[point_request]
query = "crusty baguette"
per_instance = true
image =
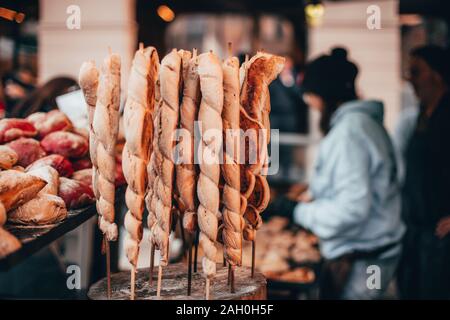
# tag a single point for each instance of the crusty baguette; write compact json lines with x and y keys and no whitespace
{"x":8,"y":157}
{"x":46,"y":207}
{"x":186,"y":170}
{"x":84,"y":175}
{"x":3,"y":216}
{"x":211,"y":85}
{"x":8,"y":243}
{"x":43,"y":210}
{"x":17,"y":187}
{"x":232,"y":217}
{"x":257,"y":73}
{"x":166,"y":129}
{"x":138,"y":128}
{"x":106,"y":125}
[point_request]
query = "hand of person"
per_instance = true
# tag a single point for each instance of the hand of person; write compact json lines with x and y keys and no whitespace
{"x":443,"y":227}
{"x":306,"y":196}
{"x":296,"y":190}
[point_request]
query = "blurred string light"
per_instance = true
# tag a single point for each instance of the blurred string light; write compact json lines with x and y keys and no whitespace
{"x":410,"y":20}
{"x":11,"y":15}
{"x":165,"y":13}
{"x":314,"y":12}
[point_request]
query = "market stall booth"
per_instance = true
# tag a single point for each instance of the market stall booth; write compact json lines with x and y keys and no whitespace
{"x":114,"y":158}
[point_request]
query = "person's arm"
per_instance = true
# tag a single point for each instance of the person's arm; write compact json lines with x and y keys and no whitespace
{"x":349,"y":206}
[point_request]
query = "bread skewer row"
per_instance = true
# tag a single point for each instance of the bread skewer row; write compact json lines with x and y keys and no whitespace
{"x":166,"y":128}
{"x":211,"y":85}
{"x":232,"y":215}
{"x":105,"y":126}
{"x":138,"y":128}
{"x":258,"y":73}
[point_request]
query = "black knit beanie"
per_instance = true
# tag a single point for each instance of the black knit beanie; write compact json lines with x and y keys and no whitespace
{"x":437,"y":58}
{"x":331,"y":76}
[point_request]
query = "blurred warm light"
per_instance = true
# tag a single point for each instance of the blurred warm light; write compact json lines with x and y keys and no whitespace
{"x":165,"y":13}
{"x":314,"y":13}
{"x":11,"y":15}
{"x":410,"y":20}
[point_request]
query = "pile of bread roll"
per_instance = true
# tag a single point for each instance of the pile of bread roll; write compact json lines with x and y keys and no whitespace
{"x":186,"y":90}
{"x":45,"y":170}
{"x":283,"y":251}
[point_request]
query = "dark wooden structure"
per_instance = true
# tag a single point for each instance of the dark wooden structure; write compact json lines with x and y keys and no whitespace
{"x":35,"y":238}
{"x":174,"y":285}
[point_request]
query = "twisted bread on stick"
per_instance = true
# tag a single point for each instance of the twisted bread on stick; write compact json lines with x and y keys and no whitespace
{"x":150,"y":197}
{"x":138,"y":127}
{"x":186,"y":172}
{"x":259,"y":72}
{"x":88,"y":80}
{"x":232,"y":216}
{"x":211,"y":85}
{"x":106,"y":125}
{"x":166,"y":129}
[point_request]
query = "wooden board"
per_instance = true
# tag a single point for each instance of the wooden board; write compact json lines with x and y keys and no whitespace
{"x":174,"y":285}
{"x":35,"y":238}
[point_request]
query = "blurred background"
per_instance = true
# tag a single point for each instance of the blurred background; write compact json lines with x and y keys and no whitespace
{"x":39,"y":40}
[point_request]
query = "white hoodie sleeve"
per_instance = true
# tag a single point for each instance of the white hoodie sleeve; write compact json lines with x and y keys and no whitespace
{"x":349,"y":204}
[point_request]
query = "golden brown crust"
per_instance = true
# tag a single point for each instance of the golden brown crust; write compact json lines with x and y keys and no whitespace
{"x":138,"y":129}
{"x":255,"y":99}
{"x":8,"y":157}
{"x":211,"y":84}
{"x":231,"y":194}
{"x":17,"y":187}
{"x":166,"y":129}
{"x":105,"y":126}
{"x":8,"y":243}
{"x":186,"y":170}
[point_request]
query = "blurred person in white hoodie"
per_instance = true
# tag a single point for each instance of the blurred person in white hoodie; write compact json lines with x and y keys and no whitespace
{"x":353,"y":201}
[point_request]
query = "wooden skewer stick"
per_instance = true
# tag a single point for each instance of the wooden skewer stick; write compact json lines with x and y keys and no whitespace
{"x":229,"y":274}
{"x":189,"y":270}
{"x":224,"y":259}
{"x":108,"y":267}
{"x":196,"y":250}
{"x":133,"y":282}
{"x":183,"y":237}
{"x":152,"y":263}
{"x":253,"y":256}
{"x":232,"y":286}
{"x":158,"y":288}
{"x":207,"y":285}
{"x":242,"y":244}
